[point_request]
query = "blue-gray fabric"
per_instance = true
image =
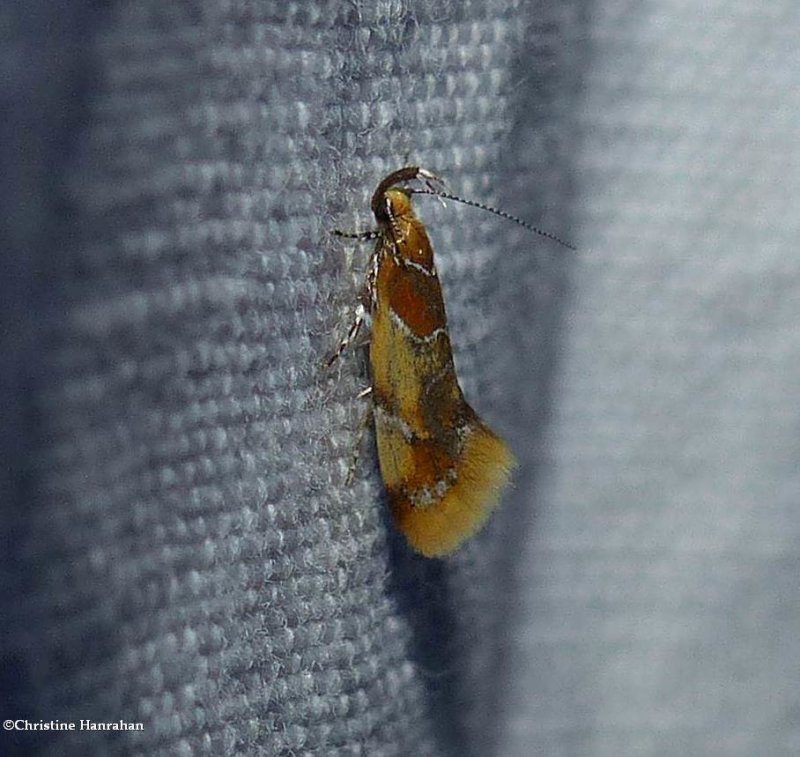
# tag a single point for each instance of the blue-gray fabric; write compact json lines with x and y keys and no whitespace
{"x":179,"y":546}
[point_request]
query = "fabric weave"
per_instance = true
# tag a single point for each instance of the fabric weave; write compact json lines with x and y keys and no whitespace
{"x":180,"y":549}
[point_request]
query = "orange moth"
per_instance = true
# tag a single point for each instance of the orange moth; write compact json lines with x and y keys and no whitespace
{"x":443,"y":468}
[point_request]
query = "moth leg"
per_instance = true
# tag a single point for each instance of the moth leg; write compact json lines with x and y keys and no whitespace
{"x":364,"y":236}
{"x":360,"y":311}
{"x":366,"y":419}
{"x":352,"y":333}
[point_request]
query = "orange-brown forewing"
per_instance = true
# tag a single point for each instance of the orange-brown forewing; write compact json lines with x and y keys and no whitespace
{"x":443,"y":468}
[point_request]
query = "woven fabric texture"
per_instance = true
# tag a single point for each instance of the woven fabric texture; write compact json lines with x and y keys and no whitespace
{"x":190,"y":558}
{"x":661,"y":595}
{"x":180,"y":549}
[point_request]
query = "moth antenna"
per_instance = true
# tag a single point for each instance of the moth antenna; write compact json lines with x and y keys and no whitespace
{"x":501,"y":213}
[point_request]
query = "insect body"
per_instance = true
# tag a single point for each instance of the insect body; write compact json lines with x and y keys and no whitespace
{"x":443,"y":468}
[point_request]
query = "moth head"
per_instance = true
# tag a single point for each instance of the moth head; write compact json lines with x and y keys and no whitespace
{"x":395,"y":203}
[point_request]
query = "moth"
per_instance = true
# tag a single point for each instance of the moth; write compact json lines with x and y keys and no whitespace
{"x":443,"y":468}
